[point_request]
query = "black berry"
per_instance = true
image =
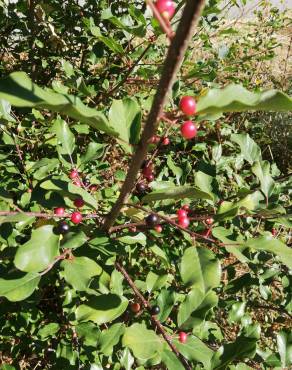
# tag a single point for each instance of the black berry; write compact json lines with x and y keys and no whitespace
{"x":63,"y":228}
{"x":141,"y":188}
{"x":151,"y":220}
{"x":155,"y":310}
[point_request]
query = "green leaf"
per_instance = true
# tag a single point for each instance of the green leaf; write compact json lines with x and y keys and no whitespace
{"x":171,"y":361}
{"x":165,"y":301}
{"x":89,"y":333}
{"x":229,"y":237}
{"x":249,"y":149}
{"x":107,"y":40}
{"x":237,"y":312}
{"x":155,"y":282}
{"x":195,"y":350}
{"x":192,"y":301}
{"x":67,"y":189}
{"x":140,"y":238}
{"x":93,"y":151}
{"x":64,"y":135}
{"x":127,"y":360}
{"x":273,"y":245}
{"x":125,"y":117}
{"x":79,"y":271}
{"x":177,"y":192}
{"x":144,"y":343}
{"x":200,"y":267}
{"x":5,"y":109}
{"x":110,"y":337}
{"x":262,"y":170}
{"x":20,"y":91}
{"x":235,"y":98}
{"x":74,"y":240}
{"x":41,"y":250}
{"x":48,"y":330}
{"x":240,"y":349}
{"x":284,"y":342}
{"x":204,"y":182}
{"x":19,"y":289}
{"x":102,"y":309}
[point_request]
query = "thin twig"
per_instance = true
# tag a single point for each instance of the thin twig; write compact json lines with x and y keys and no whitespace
{"x":172,"y":64}
{"x":154,"y":321}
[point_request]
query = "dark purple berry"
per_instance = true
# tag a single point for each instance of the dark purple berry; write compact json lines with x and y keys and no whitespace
{"x":151,"y":220}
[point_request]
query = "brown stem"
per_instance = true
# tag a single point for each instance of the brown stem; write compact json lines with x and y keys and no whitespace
{"x":156,"y":323}
{"x":172,"y":64}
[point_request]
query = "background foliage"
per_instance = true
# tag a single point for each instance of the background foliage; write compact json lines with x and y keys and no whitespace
{"x":95,"y":68}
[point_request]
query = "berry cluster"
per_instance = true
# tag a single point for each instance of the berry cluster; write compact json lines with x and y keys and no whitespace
{"x":76,"y":217}
{"x":182,"y":215}
{"x":188,"y":107}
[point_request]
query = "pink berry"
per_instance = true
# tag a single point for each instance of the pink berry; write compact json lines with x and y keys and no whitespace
{"x":209,"y":221}
{"x":76,"y":217}
{"x":73,"y":174}
{"x":158,"y":228}
{"x":186,"y":207}
{"x":181,"y":213}
{"x":188,"y":130}
{"x":165,"y":141}
{"x":155,"y":139}
{"x":188,"y":105}
{"x":59,"y":211}
{"x":182,"y":337}
{"x":274,"y":231}
{"x":166,"y":8}
{"x":184,"y":222}
{"x":79,"y":202}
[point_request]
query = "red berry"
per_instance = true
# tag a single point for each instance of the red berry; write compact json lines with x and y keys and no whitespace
{"x":166,"y":8}
{"x":186,"y":207}
{"x":165,"y":141}
{"x":92,"y":188}
{"x":209,"y":221}
{"x":181,"y":213}
{"x":148,"y":170}
{"x":274,"y":231}
{"x":59,"y":211}
{"x":182,"y":337}
{"x":135,"y":307}
{"x":76,"y":217}
{"x":184,"y":222}
{"x":29,"y":190}
{"x":188,"y":130}
{"x":150,"y":178}
{"x":133,"y":229}
{"x":79,"y":202}
{"x":188,"y":105}
{"x":158,"y":228}
{"x":73,"y":174}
